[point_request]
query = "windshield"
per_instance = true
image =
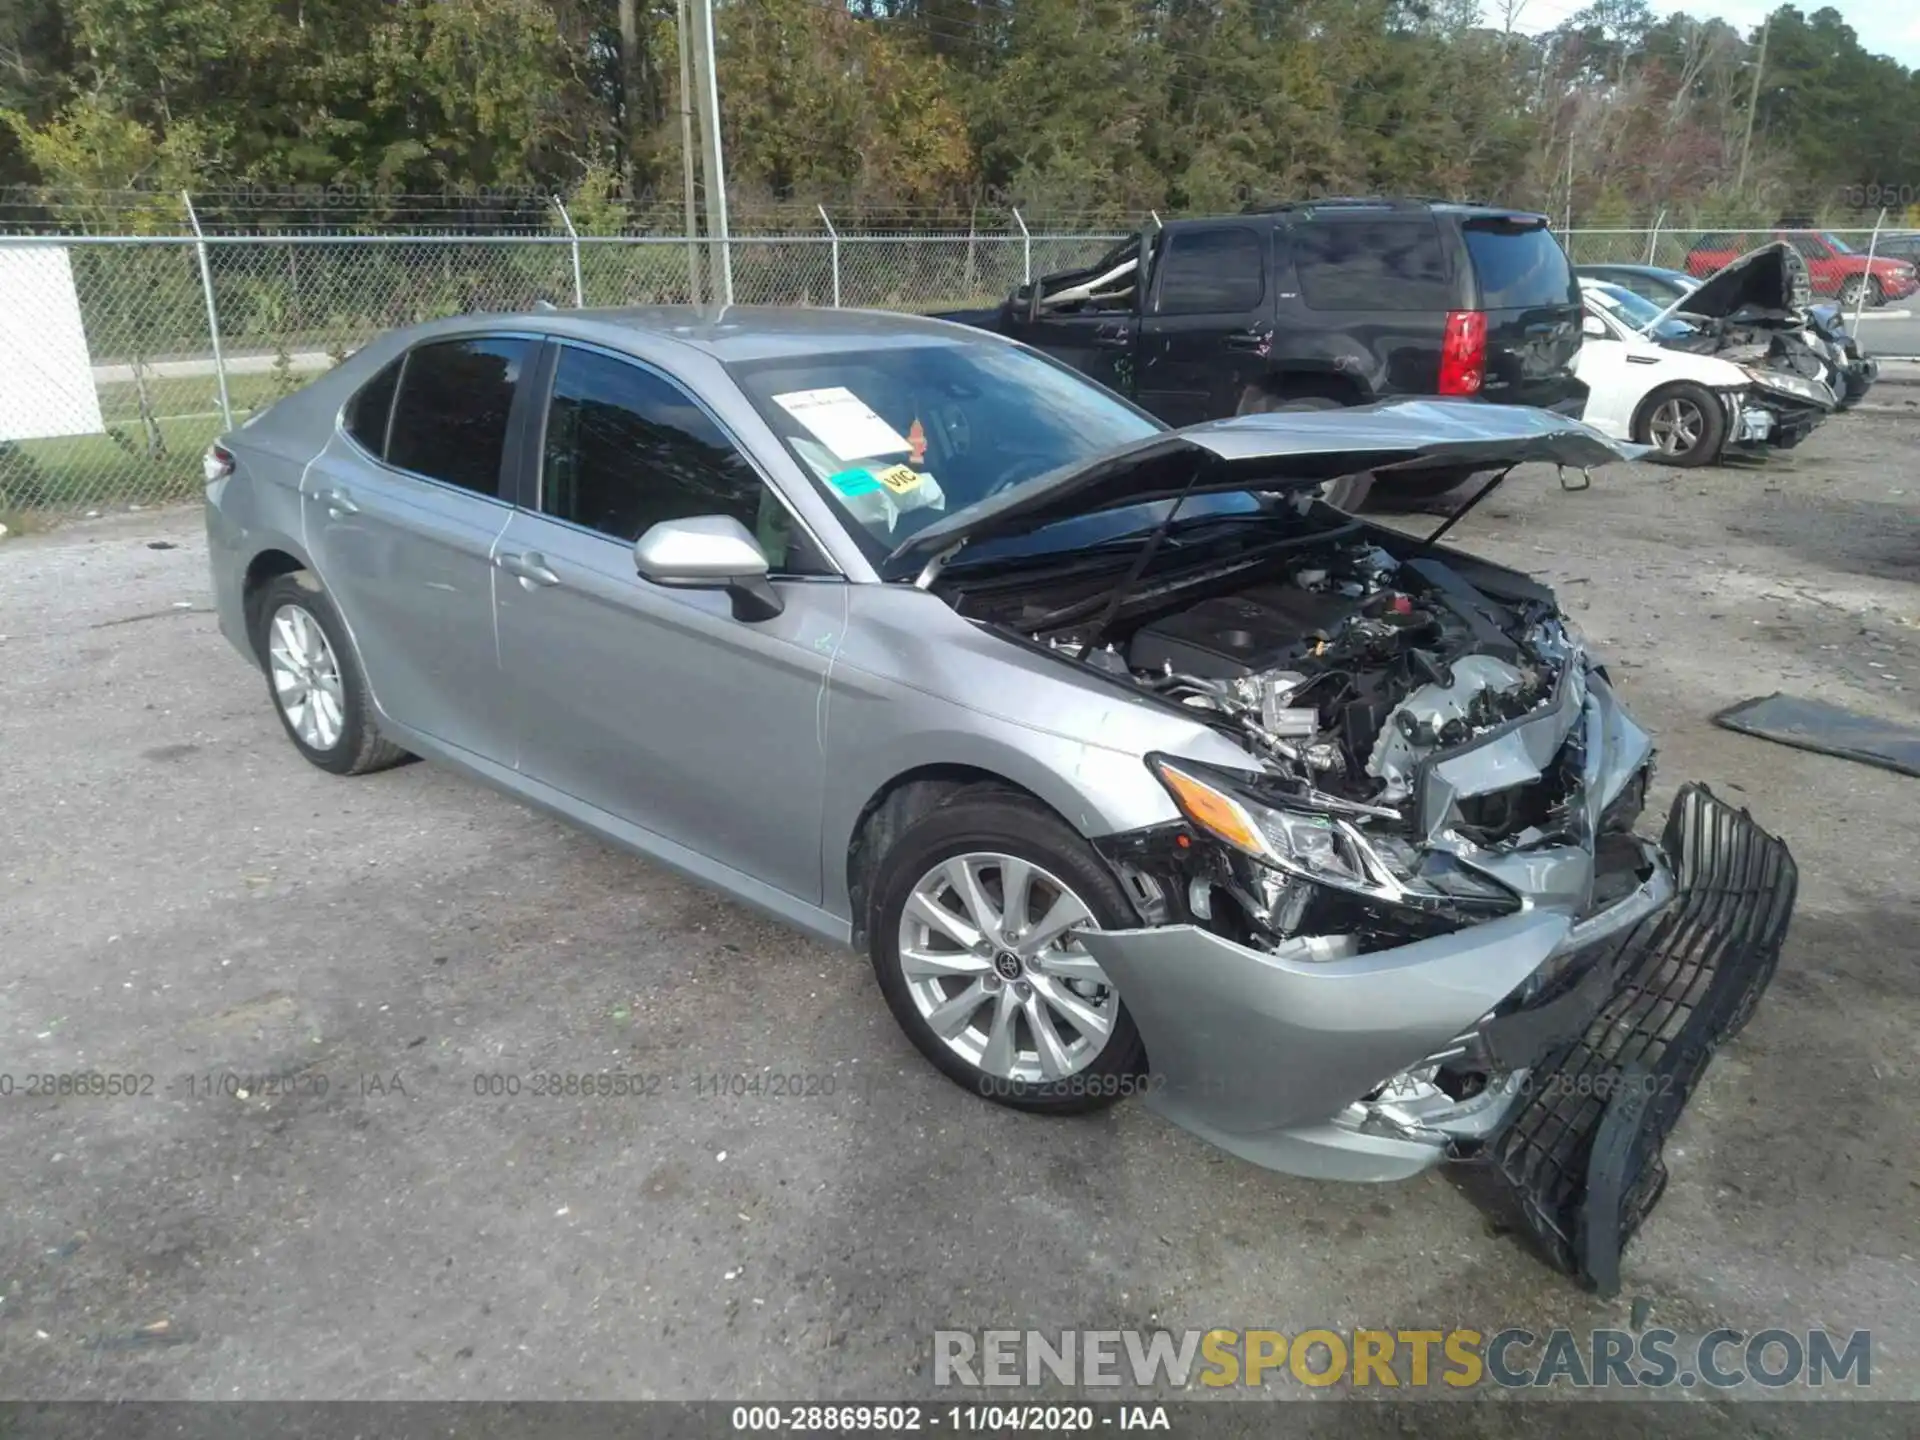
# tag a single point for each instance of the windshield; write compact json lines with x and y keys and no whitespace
{"x":897,"y":438}
{"x":1838,"y":246}
{"x":1636,"y":312}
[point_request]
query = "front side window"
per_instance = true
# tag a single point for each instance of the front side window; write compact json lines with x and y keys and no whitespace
{"x":1212,"y":272}
{"x":899,"y":436}
{"x":450,"y":417}
{"x":626,"y":448}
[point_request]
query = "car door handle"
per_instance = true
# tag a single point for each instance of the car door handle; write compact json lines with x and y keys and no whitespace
{"x":530,"y":566}
{"x":1255,"y":340}
{"x":339,"y":504}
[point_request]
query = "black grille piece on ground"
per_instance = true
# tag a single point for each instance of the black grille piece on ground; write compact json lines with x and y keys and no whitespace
{"x":1578,"y":1162}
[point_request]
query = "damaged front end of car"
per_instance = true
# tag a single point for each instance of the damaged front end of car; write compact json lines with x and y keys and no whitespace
{"x":1420,"y":923}
{"x":1757,"y":314}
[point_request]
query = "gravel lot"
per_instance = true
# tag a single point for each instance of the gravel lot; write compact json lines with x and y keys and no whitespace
{"x":182,"y":896}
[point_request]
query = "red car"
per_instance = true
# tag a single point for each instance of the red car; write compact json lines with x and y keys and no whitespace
{"x":1837,"y":269}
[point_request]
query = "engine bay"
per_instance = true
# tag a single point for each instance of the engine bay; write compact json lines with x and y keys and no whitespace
{"x":1341,"y":665}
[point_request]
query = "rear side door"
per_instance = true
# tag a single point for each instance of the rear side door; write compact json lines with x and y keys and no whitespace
{"x":654,"y":704}
{"x":1526,"y":288}
{"x":1208,"y":326}
{"x":401,"y":515}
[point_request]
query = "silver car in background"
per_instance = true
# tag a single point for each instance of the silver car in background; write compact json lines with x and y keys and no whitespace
{"x":1133,"y":765}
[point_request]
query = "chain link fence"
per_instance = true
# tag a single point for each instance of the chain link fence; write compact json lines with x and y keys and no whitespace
{"x":122,"y":356}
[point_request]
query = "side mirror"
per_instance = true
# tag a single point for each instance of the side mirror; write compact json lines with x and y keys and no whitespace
{"x":709,"y":552}
{"x":1590,"y":326}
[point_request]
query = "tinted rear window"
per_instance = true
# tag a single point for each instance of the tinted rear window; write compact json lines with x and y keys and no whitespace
{"x":450,"y":422}
{"x":1212,"y":272}
{"x":1520,"y":269}
{"x":1388,"y":264}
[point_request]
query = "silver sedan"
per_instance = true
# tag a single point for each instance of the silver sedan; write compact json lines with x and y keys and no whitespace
{"x":1133,"y":765}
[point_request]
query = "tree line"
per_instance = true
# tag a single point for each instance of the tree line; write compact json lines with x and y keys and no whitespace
{"x":916,"y":107}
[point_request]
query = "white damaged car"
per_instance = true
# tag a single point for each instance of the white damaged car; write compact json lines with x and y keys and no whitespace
{"x":1645,"y":386}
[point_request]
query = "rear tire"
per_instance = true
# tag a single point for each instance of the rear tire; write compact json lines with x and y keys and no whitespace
{"x":1349,"y":492}
{"x":1684,"y":422}
{"x":953,"y":997}
{"x":314,"y":678}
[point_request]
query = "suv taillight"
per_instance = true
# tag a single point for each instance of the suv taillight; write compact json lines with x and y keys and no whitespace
{"x":1463,"y":353}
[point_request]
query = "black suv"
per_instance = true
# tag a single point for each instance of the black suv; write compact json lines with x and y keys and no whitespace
{"x":1316,"y":304}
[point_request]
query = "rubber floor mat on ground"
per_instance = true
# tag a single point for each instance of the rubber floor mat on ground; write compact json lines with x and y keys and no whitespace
{"x":1828,"y":729}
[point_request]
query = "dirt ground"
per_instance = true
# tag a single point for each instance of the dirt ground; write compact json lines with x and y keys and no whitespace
{"x":182,"y":898}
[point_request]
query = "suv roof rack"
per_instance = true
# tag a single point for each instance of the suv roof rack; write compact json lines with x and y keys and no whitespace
{"x":1387,"y":202}
{"x":1392,"y":202}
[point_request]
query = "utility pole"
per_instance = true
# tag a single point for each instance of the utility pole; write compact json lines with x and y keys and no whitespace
{"x":629,"y":18}
{"x":1753,"y":104}
{"x":683,"y":43}
{"x":708,"y":85}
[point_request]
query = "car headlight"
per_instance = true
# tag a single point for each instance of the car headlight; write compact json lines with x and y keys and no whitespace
{"x":1324,"y":849}
{"x":1811,"y":391}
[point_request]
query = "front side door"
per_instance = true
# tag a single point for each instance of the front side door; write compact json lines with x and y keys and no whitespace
{"x":1099,"y":344}
{"x":401,"y":516}
{"x":1606,"y":364}
{"x":651,"y":703}
{"x":1208,"y":330}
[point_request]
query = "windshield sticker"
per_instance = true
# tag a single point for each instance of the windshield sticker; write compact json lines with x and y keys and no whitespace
{"x":844,"y":422}
{"x":899,"y":479}
{"x":854,"y":483}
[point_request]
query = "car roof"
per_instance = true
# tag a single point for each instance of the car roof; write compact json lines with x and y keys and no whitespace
{"x":729,"y":334}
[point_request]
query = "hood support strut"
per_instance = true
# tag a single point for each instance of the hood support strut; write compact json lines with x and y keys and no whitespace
{"x":1138,"y":568}
{"x":1462,"y":513}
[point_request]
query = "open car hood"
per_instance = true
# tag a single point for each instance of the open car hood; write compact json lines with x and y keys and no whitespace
{"x":1270,"y":452}
{"x":1772,"y":280}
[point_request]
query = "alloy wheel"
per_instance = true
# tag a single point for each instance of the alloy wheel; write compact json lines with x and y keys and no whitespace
{"x":1676,"y":426}
{"x":989,"y":953}
{"x":306,"y":677}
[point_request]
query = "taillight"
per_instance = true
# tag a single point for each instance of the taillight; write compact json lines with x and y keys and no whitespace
{"x":1463,"y":353}
{"x":216,"y":464}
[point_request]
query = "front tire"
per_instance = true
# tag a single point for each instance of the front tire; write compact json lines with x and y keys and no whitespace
{"x":972,"y":918}
{"x":1685,"y":423}
{"x":314,"y":678}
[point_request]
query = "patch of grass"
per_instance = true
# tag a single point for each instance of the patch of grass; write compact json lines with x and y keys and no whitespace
{"x":84,"y":472}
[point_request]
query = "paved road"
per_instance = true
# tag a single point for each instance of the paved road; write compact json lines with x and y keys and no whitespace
{"x":1894,"y":330}
{"x":183,"y":897}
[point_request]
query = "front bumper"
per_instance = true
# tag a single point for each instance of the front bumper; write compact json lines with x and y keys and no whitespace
{"x":1289,"y":1061}
{"x":1578,"y":1161}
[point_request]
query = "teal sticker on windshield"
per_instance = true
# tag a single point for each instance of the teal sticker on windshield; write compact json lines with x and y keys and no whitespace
{"x":854,"y":483}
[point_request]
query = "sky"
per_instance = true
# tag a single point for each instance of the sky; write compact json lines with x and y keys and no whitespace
{"x":1882,"y":25}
